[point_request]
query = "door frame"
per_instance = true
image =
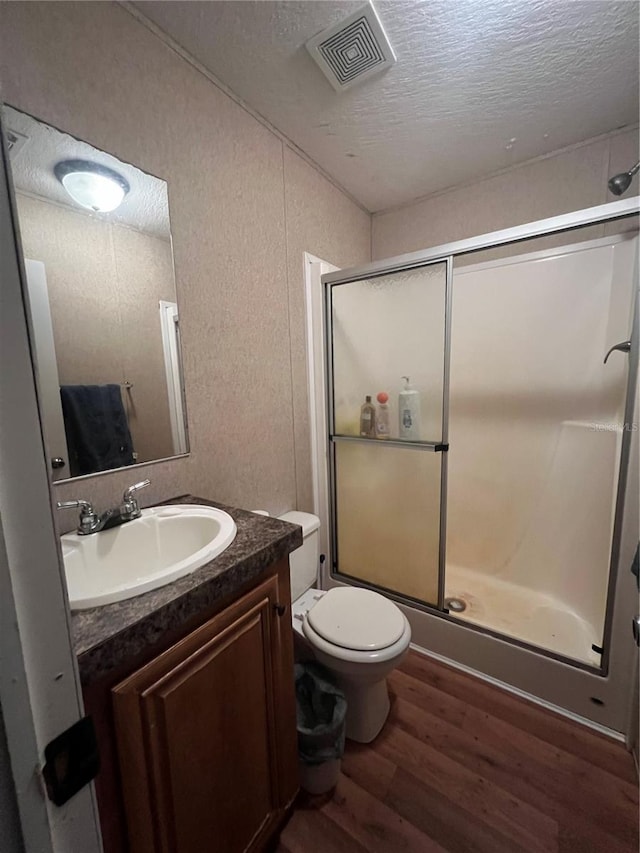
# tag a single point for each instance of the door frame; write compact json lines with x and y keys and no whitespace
{"x":40,"y":690}
{"x":314,"y":269}
{"x":438,"y":445}
{"x":46,"y":362}
{"x":170,"y":331}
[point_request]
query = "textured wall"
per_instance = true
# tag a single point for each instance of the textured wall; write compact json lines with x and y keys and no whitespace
{"x":144,"y":276}
{"x":562,"y":182}
{"x":243,"y":209}
{"x":316,"y":214}
{"x":104,"y":284}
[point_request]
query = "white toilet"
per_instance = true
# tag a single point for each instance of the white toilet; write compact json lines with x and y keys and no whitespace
{"x":357,"y":634}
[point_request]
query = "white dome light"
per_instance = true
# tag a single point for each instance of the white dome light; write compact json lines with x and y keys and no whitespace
{"x":91,"y":185}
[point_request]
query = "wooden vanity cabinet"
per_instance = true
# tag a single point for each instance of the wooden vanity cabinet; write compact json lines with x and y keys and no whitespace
{"x":206,"y":732}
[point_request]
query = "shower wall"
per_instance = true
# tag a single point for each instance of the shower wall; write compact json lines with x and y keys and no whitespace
{"x":535,"y":419}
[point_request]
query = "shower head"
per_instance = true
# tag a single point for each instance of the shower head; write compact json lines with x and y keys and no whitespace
{"x":620,"y":183}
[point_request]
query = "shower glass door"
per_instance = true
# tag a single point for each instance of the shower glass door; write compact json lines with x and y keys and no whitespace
{"x":388,"y":489}
{"x":537,"y":428}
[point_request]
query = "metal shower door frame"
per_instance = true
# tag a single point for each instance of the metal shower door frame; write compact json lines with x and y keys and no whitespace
{"x":441,"y":446}
{"x":623,"y":473}
{"x":601,"y":214}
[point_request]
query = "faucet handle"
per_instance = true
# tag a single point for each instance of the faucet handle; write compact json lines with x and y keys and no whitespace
{"x":79,"y":504}
{"x":130,"y":509}
{"x":88,"y":517}
{"x":128,"y":493}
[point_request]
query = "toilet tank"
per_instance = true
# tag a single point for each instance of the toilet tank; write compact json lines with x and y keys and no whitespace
{"x":303,"y":562}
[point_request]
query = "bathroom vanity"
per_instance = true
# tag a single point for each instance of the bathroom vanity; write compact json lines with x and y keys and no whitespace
{"x":191,"y":690}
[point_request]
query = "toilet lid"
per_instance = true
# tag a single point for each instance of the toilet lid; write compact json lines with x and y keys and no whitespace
{"x":356,"y":619}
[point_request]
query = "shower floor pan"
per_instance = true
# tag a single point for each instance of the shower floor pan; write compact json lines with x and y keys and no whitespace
{"x":533,"y":617}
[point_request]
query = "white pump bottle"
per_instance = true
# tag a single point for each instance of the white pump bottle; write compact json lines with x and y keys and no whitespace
{"x":409,"y":412}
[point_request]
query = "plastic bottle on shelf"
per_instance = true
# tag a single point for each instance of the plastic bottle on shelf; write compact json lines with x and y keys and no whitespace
{"x":409,"y":412}
{"x":382,"y":415}
{"x":368,"y":418}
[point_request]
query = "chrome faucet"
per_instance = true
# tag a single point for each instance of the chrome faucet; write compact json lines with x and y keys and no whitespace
{"x":91,"y":522}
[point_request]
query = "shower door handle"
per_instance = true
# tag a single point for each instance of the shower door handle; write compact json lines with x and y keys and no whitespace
{"x":624,"y":346}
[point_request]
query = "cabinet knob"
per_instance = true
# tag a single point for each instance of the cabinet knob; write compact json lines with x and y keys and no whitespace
{"x":280,"y":609}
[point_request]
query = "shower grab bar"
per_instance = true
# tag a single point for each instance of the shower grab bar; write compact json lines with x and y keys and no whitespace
{"x":624,"y":346}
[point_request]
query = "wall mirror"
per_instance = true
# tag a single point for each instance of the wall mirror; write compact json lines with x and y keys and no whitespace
{"x":102,"y":301}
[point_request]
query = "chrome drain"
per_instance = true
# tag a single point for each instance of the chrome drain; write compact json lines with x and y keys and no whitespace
{"x":455,"y":605}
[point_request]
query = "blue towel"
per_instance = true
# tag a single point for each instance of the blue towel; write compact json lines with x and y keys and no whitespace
{"x":96,"y":427}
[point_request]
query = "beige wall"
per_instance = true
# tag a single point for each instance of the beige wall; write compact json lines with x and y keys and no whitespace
{"x":243,"y":209}
{"x":317,"y":214}
{"x":104,"y":283}
{"x":559,"y":183}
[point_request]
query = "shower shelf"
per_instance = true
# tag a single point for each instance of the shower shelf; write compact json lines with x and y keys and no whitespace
{"x":433,"y":446}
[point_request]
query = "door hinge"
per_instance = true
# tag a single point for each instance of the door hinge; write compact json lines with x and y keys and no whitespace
{"x":72,"y":761}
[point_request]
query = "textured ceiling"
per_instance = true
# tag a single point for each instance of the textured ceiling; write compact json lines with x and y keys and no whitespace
{"x":145,"y":207}
{"x":479,"y":84}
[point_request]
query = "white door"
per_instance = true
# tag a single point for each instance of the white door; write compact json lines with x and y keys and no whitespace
{"x":40,"y":690}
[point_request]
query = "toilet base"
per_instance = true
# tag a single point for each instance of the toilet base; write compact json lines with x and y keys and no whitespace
{"x":367,"y":708}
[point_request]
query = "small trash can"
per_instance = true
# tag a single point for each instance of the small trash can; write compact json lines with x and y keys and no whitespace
{"x":320,"y":714}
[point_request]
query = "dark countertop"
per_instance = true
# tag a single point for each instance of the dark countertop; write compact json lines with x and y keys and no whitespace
{"x":105,"y":637}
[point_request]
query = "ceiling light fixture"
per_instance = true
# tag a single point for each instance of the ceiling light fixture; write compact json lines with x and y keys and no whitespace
{"x":91,"y":185}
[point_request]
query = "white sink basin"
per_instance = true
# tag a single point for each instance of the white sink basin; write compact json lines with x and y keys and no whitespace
{"x":164,"y":544}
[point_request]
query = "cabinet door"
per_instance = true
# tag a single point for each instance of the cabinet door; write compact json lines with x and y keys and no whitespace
{"x":198,"y":734}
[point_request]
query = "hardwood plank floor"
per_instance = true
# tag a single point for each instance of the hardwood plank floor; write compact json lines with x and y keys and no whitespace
{"x":465,"y":767}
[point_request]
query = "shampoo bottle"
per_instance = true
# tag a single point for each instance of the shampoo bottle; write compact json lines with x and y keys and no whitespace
{"x":382,"y":416}
{"x":409,"y":412}
{"x":368,"y":418}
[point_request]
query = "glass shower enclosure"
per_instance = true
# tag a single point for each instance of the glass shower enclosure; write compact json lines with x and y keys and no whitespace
{"x":519,"y":435}
{"x":388,"y":508}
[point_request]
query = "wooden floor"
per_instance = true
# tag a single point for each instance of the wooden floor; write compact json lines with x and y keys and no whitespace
{"x":462,"y":766}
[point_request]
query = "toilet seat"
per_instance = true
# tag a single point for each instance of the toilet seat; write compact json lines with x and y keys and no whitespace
{"x":355,"y":655}
{"x":368,"y":606}
{"x":357,"y":619}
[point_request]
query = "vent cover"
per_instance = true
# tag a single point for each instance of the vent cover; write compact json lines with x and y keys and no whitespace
{"x":353,"y":49}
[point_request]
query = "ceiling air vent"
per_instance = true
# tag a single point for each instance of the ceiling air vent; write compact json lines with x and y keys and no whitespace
{"x":353,"y":49}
